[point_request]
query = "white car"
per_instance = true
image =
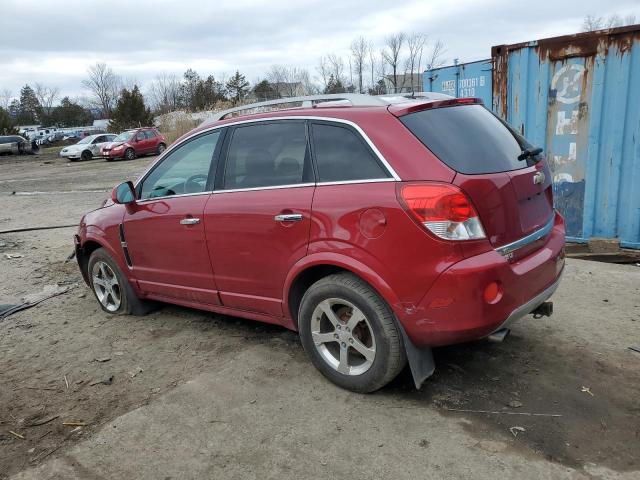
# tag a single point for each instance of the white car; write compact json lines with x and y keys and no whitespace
{"x":88,"y":147}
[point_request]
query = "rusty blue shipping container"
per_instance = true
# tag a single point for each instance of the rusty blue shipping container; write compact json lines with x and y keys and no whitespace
{"x":471,"y":79}
{"x":578,"y":97}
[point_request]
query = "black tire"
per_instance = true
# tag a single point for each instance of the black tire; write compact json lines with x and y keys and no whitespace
{"x":129,"y":154}
{"x":161,"y":148}
{"x":390,"y":357}
{"x":129,"y":304}
{"x":86,"y":155}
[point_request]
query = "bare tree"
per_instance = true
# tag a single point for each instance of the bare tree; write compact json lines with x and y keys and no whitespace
{"x":336,"y":67}
{"x":289,"y":81}
{"x":391,"y":55}
{"x":415,"y":45}
{"x":104,"y":87}
{"x":164,"y":92}
{"x":592,"y":23}
{"x":47,"y":96}
{"x":359,"y":51}
{"x":324,"y":70}
{"x":5,"y":98}
{"x":435,"y":56}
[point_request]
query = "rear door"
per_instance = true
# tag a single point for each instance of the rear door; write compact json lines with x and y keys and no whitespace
{"x":257,"y":221}
{"x":513,"y":197}
{"x":164,"y":230}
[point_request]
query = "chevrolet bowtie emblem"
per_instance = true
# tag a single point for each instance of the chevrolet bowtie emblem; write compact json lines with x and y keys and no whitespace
{"x":538,"y":178}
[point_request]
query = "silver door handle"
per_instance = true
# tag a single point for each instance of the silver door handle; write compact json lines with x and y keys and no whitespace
{"x":288,"y":217}
{"x":189,"y":221}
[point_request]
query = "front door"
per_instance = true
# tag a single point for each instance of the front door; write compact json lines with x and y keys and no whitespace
{"x":257,"y":221}
{"x":164,"y":229}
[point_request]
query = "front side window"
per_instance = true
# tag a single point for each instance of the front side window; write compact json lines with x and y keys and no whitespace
{"x":267,"y":154}
{"x":342,"y":155}
{"x":150,"y":134}
{"x":185,"y":170}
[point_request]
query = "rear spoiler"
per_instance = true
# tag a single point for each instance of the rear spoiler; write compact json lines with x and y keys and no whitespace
{"x":401,"y":109}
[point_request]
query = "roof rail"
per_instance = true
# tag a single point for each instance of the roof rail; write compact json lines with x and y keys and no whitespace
{"x":307,"y":101}
{"x":356,"y":100}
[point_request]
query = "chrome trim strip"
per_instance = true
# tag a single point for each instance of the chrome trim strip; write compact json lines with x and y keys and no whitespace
{"x":350,"y":182}
{"x":153,"y":199}
{"x":531,"y":305}
{"x":389,"y":168}
{"x":524,"y":241}
{"x":254,"y":189}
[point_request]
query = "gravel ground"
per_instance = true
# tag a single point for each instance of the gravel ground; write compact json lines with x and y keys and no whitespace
{"x":200,"y":395}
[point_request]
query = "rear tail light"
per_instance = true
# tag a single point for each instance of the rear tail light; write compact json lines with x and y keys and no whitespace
{"x":443,"y":209}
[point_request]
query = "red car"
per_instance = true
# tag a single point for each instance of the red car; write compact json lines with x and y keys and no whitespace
{"x":375,"y":227}
{"x":133,"y":143}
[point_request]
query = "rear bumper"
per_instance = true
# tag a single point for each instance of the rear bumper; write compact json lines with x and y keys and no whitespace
{"x":454,"y":309}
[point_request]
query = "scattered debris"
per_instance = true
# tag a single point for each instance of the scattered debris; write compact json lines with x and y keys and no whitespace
{"x":17,"y":435}
{"x":135,"y":372}
{"x":44,"y":421}
{"x":504,"y":413}
{"x":587,"y":390}
{"x":82,"y":295}
{"x":66,"y":382}
{"x":74,"y":424}
{"x":33,"y":299}
{"x":106,"y":381}
{"x":635,"y":348}
{"x":424,"y":443}
{"x":516,"y":430}
{"x":9,"y":256}
{"x":515,"y":404}
{"x":101,"y":359}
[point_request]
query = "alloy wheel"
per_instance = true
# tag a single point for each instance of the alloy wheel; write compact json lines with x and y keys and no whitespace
{"x":343,"y":336}
{"x":106,"y":286}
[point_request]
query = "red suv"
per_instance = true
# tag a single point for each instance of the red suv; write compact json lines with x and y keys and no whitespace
{"x":133,"y":143}
{"x":375,"y":227}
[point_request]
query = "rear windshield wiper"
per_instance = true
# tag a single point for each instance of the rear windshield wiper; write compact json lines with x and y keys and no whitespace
{"x":529,"y":153}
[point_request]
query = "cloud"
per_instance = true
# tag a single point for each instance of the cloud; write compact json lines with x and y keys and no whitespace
{"x":54,"y":42}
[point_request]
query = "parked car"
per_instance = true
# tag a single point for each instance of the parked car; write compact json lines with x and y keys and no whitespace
{"x":377,"y":231}
{"x":133,"y":143}
{"x":88,"y":147}
{"x":16,"y":144}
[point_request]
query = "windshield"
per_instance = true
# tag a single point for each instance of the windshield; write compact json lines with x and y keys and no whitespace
{"x":85,"y":140}
{"x":123,"y":137}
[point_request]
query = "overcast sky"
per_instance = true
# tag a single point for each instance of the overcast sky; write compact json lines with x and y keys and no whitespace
{"x":53,"y":42}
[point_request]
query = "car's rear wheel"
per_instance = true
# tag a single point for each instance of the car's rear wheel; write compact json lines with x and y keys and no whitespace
{"x":111,"y":288}
{"x":161,"y":148}
{"x":129,"y":154}
{"x":350,"y":334}
{"x":86,"y":155}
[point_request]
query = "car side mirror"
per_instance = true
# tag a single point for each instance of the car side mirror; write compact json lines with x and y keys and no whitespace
{"x":123,"y":193}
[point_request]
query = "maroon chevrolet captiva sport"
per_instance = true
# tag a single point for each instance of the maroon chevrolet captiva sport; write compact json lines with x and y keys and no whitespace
{"x":376,"y":227}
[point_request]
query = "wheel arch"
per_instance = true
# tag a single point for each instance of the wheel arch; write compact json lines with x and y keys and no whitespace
{"x":314,"y":267}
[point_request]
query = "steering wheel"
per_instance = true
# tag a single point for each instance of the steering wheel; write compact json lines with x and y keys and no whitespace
{"x":193,"y":184}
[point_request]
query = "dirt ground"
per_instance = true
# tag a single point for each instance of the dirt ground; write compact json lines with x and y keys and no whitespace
{"x":197,"y":395}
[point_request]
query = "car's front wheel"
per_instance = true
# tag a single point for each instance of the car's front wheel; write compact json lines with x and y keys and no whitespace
{"x":111,"y":287}
{"x":129,"y":154}
{"x":86,"y":155}
{"x":350,"y":334}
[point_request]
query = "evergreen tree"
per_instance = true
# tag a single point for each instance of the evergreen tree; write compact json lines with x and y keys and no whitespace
{"x":334,"y":86}
{"x":6,"y":123}
{"x":264,"y":91}
{"x":70,"y":114}
{"x":130,"y":111}
{"x":29,"y":107}
{"x":237,"y":87}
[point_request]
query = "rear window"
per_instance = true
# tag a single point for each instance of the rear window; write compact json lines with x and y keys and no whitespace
{"x":469,"y":138}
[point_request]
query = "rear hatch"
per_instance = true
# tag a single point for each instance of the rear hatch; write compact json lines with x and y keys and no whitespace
{"x":513,"y":197}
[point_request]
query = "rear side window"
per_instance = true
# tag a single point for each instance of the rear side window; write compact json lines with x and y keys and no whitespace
{"x":342,"y":155}
{"x":469,"y":139}
{"x":267,"y":155}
